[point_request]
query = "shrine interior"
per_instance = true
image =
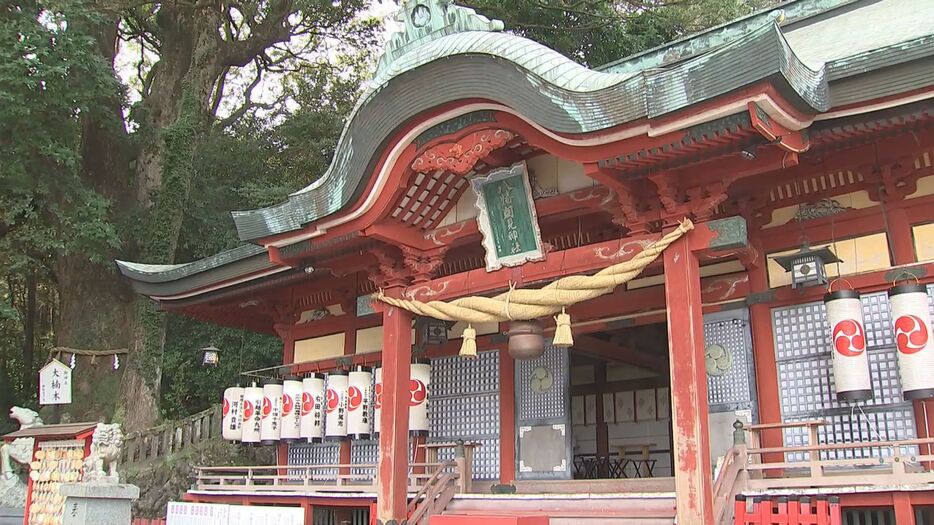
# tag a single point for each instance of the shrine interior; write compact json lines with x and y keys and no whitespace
{"x":620,"y":404}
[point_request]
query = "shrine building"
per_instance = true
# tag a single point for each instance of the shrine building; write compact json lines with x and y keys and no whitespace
{"x":686,"y":286}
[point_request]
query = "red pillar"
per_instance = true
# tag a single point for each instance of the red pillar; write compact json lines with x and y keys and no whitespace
{"x":507,"y":417}
{"x":904,"y":513}
{"x":903,"y":247}
{"x":763,"y":346}
{"x":394,"y":423}
{"x":691,"y":437}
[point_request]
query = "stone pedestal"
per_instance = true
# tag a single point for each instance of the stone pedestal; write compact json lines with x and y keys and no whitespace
{"x":11,"y":516}
{"x":97,"y":503}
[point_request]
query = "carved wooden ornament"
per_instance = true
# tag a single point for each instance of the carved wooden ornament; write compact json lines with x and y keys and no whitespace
{"x":460,"y":157}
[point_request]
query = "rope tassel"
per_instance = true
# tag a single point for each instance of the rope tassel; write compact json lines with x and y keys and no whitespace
{"x":563,"y":336}
{"x":469,"y":346}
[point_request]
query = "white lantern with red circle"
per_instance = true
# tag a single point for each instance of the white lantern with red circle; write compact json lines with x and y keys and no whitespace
{"x":291,"y":408}
{"x":335,"y":424}
{"x":232,"y":414}
{"x":271,"y":427}
{"x":312,"y":410}
{"x":848,"y":343}
{"x":419,"y":381}
{"x":377,"y":398}
{"x":911,"y":322}
{"x":252,"y":420}
{"x":359,"y":407}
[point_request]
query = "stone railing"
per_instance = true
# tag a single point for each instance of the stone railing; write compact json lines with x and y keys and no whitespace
{"x":172,"y":436}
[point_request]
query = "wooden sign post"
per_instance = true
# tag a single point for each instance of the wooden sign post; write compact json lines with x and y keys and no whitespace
{"x":55,"y":384}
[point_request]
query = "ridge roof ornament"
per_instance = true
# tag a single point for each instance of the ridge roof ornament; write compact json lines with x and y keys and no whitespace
{"x":426,"y":20}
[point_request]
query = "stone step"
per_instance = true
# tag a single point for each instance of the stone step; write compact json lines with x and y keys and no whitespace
{"x":567,"y":509}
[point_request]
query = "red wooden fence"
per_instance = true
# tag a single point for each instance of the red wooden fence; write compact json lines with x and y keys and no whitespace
{"x":821,"y":510}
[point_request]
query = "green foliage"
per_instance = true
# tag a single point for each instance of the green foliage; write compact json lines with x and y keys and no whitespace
{"x":187,"y":386}
{"x":595,"y":32}
{"x":51,"y":75}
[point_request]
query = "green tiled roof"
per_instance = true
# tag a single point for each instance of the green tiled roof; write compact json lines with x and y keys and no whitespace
{"x":818,"y":54}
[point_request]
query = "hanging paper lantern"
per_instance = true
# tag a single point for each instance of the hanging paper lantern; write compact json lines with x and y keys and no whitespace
{"x":271,"y":427}
{"x":312,"y":409}
{"x":335,"y":423}
{"x":359,"y":408}
{"x":848,"y":342}
{"x":231,"y":415}
{"x":291,"y":408}
{"x":252,"y":406}
{"x":420,"y":378}
{"x":911,"y":321}
{"x":377,"y":398}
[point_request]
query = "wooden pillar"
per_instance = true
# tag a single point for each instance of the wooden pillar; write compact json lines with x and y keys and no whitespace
{"x":901,"y":238}
{"x":904,"y":513}
{"x":602,"y":432}
{"x":394,"y":423}
{"x":691,"y":437}
{"x":507,"y":417}
{"x":763,"y":347}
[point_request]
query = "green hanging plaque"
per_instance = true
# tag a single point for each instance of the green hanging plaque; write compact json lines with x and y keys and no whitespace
{"x":507,"y":218}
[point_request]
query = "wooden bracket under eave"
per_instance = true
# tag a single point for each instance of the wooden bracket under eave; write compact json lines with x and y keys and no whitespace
{"x":794,"y":141}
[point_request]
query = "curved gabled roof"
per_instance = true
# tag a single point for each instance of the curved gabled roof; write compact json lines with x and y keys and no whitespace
{"x":465,"y":58}
{"x":539,"y":83}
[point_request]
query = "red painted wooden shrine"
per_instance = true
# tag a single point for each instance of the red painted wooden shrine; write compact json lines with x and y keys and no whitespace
{"x":757,"y":131}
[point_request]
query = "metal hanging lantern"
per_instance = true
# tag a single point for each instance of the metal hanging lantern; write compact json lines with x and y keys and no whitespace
{"x":852,"y":381}
{"x":526,"y":339}
{"x":212,"y":355}
{"x":911,"y":322}
{"x":431,"y":331}
{"x":808,"y":266}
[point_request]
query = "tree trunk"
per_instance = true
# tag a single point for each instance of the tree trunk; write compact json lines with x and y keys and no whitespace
{"x":179,"y":106}
{"x":92,"y":316}
{"x":29,"y":332}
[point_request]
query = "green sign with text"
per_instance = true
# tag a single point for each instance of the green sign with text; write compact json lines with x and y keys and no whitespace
{"x":507,"y":218}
